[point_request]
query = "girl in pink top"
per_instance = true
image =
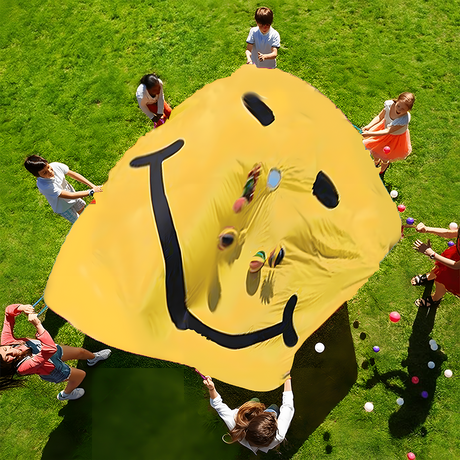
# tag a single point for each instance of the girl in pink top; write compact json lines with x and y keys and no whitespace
{"x":41,"y":356}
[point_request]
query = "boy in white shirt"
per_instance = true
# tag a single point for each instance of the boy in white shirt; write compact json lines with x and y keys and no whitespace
{"x":52,"y":183}
{"x":263,"y":41}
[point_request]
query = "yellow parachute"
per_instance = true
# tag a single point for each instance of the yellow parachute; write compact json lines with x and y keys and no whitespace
{"x":224,"y":238}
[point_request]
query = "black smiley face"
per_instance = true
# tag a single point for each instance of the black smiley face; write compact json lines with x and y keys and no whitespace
{"x":182,"y":318}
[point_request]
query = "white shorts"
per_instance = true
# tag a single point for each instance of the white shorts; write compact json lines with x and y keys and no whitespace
{"x":72,"y":213}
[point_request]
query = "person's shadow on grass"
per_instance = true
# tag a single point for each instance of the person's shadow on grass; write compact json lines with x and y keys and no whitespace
{"x":417,"y":397}
{"x":320,"y":382}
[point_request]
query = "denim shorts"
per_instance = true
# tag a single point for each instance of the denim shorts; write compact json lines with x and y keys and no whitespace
{"x":61,"y":370}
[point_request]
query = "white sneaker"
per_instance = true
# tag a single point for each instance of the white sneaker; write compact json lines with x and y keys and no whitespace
{"x":99,"y":356}
{"x":77,"y":393}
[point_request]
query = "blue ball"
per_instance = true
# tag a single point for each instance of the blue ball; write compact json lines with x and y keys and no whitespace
{"x":410,"y":220}
{"x":376,"y":349}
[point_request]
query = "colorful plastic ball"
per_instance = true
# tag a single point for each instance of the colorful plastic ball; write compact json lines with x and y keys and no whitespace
{"x":319,"y":347}
{"x":431,"y":364}
{"x":432,"y":342}
{"x":386,"y":149}
{"x":368,"y":407}
{"x":395,"y":316}
{"x":453,"y":226}
{"x":424,"y":394}
{"x":450,"y":243}
{"x":400,"y":401}
{"x":394,"y":194}
{"x":401,"y":208}
{"x":434,"y":346}
{"x":415,"y":380}
{"x":410,"y":220}
{"x":411,"y":456}
{"x":376,"y":348}
{"x":448,"y":373}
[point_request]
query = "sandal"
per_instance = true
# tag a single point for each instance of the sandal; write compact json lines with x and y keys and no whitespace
{"x":428,"y":302}
{"x":420,"y":280}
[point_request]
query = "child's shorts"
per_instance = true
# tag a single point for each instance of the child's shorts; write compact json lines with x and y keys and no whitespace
{"x":72,"y":213}
{"x":61,"y":370}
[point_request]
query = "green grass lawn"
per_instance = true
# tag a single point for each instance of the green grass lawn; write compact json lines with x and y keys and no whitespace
{"x":69,"y":71}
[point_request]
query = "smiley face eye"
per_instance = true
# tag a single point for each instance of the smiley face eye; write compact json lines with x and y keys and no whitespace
{"x":325,"y":191}
{"x":227,"y":238}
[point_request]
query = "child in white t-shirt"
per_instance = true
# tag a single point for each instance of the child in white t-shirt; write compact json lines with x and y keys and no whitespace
{"x":52,"y":183}
{"x":263,"y":41}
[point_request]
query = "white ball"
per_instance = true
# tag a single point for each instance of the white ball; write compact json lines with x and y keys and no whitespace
{"x":319,"y":347}
{"x":394,"y":194}
{"x":400,"y":401}
{"x":453,"y":226}
{"x":448,"y":373}
{"x":432,"y":342}
{"x":434,"y":346}
{"x":368,"y":407}
{"x":431,"y":364}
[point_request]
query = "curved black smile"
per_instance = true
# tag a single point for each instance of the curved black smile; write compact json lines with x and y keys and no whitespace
{"x":175,"y":283}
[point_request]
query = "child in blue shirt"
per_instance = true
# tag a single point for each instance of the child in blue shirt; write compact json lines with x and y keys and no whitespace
{"x":263,"y":41}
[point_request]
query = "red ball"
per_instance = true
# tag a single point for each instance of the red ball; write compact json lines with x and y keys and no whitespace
{"x":415,"y":380}
{"x":386,"y":150}
{"x":395,"y":316}
{"x":401,"y":208}
{"x":411,"y":456}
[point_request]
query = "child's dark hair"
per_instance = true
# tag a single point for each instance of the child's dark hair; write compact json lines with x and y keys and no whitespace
{"x":150,"y":80}
{"x":34,"y":164}
{"x":407,"y":98}
{"x":9,"y":370}
{"x":253,"y":424}
{"x":264,"y":16}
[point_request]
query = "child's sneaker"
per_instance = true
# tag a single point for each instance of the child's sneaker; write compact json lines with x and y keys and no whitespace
{"x":77,"y":393}
{"x":99,"y":356}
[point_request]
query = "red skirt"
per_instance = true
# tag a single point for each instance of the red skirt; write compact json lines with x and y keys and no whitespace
{"x":166,"y":109}
{"x":447,"y":276}
{"x":400,"y":146}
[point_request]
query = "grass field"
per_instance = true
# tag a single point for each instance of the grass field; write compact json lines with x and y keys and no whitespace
{"x":68,"y":75}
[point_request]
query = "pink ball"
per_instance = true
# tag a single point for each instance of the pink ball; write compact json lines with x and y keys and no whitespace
{"x":395,"y":316}
{"x":386,"y":150}
{"x":415,"y":380}
{"x":411,"y":456}
{"x":401,"y":208}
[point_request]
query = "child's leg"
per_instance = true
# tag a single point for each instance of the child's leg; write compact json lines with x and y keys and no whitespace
{"x":75,"y":378}
{"x":69,"y":353}
{"x":439,"y":291}
{"x":383,"y":166}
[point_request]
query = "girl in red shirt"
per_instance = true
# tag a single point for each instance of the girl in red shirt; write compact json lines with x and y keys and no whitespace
{"x":41,"y":356}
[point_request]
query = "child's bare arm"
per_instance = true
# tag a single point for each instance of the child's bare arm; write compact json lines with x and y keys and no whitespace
{"x":382,"y":132}
{"x":73,"y":195}
{"x":248,"y":53}
{"x":443,"y":232}
{"x":210,"y":386}
{"x":288,"y":385}
{"x":80,"y":178}
{"x":272,"y":55}
{"x":374,"y":121}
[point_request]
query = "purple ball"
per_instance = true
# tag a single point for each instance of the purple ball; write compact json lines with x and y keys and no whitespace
{"x":424,"y":394}
{"x":410,"y":220}
{"x":376,"y":349}
{"x":450,"y":243}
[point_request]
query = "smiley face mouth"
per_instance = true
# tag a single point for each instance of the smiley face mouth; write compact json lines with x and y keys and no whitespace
{"x":182,"y":318}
